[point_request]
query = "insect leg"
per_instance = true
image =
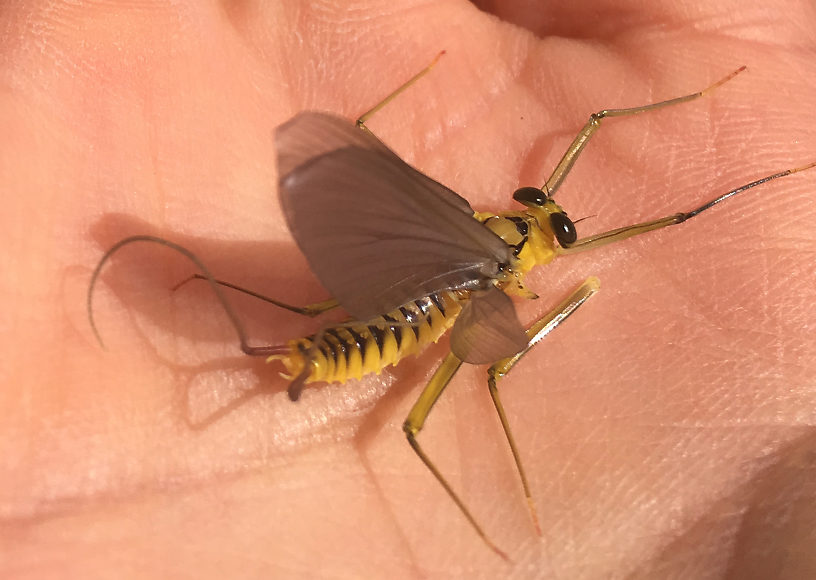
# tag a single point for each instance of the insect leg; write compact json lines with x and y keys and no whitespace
{"x":593,"y":124}
{"x":376,"y":108}
{"x":541,"y":328}
{"x":619,"y":234}
{"x":443,"y":375}
{"x":310,"y":310}
{"x":413,"y":425}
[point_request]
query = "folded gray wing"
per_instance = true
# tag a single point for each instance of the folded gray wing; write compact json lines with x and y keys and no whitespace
{"x":487,"y":329}
{"x":376,"y":232}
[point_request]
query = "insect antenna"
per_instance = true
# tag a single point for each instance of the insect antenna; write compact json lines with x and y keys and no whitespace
{"x":586,"y":217}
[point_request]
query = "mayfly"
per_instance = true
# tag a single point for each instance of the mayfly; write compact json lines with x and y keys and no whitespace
{"x":408,"y":259}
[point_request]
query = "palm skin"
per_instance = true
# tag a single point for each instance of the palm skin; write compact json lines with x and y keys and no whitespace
{"x":666,"y":430}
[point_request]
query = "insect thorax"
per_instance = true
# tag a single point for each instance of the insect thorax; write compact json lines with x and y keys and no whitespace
{"x":529,"y":237}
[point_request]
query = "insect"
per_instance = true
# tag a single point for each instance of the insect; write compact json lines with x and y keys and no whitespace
{"x":409,"y":260}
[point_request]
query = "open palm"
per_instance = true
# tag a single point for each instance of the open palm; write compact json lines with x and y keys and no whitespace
{"x":667,"y":429}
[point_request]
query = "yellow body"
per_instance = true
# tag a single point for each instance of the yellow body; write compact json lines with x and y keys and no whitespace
{"x":352,"y":349}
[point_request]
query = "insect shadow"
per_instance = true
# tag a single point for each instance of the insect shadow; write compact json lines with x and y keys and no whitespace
{"x":141,"y":278}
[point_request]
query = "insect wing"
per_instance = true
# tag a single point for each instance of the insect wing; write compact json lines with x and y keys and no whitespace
{"x":376,"y":232}
{"x":310,"y":134}
{"x":487,"y":329}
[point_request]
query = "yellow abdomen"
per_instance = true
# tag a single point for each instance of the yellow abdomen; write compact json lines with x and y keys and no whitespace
{"x":350,"y":350}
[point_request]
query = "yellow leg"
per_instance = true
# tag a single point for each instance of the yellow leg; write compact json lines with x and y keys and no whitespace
{"x":376,"y":108}
{"x":541,"y":328}
{"x":623,"y":233}
{"x":310,"y":310}
{"x":442,"y":377}
{"x":576,"y":147}
{"x":416,"y":420}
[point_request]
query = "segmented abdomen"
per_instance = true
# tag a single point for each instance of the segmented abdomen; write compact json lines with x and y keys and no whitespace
{"x":350,"y":351}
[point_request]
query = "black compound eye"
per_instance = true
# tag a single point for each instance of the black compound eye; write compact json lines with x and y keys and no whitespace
{"x":530,"y":196}
{"x":563,"y":228}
